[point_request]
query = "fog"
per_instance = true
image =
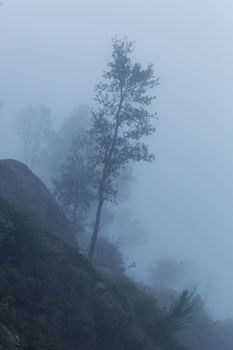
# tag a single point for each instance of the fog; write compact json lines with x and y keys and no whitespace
{"x":53,"y":53}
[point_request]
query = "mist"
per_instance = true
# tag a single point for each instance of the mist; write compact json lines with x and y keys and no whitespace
{"x":53,"y":53}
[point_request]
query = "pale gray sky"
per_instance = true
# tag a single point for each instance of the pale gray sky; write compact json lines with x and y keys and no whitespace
{"x":53,"y":52}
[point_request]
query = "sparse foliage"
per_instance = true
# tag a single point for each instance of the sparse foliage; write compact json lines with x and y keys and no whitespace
{"x":182,"y":309}
{"x":120,"y":122}
{"x":174,"y":319}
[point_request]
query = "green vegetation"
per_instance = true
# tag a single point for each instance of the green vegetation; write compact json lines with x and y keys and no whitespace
{"x":52,"y":298}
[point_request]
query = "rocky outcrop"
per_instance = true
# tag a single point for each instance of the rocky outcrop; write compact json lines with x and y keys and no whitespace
{"x":23,"y":189}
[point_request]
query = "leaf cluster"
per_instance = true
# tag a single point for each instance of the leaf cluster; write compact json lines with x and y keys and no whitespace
{"x":122,"y":119}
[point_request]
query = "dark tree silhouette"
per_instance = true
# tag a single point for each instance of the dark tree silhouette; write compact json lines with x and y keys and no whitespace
{"x":74,"y":188}
{"x":120,"y":121}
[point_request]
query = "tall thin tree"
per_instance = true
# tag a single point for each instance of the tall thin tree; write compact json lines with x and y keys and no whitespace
{"x":120,"y":122}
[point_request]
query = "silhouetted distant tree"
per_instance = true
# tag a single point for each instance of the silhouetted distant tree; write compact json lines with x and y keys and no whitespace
{"x":176,"y":318}
{"x":34,"y":126}
{"x":70,"y":157}
{"x":74,"y":187}
{"x":71,"y":128}
{"x":120,"y":121}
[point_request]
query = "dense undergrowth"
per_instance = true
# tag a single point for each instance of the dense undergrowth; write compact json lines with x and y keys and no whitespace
{"x":52,"y":298}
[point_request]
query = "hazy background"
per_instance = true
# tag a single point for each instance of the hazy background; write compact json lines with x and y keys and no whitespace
{"x":53,"y":52}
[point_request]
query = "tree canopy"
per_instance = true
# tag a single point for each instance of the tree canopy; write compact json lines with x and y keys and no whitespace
{"x":121,"y":120}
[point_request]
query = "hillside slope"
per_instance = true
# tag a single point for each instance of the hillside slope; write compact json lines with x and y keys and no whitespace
{"x":51,"y":297}
{"x":20,"y":187}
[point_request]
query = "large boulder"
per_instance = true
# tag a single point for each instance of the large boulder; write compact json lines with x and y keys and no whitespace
{"x":20,"y":187}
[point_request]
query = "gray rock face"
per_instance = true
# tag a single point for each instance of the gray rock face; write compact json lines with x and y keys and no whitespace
{"x":23,"y":189}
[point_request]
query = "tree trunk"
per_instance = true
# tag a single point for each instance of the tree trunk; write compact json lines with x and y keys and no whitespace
{"x":96,"y":227}
{"x":107,"y":161}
